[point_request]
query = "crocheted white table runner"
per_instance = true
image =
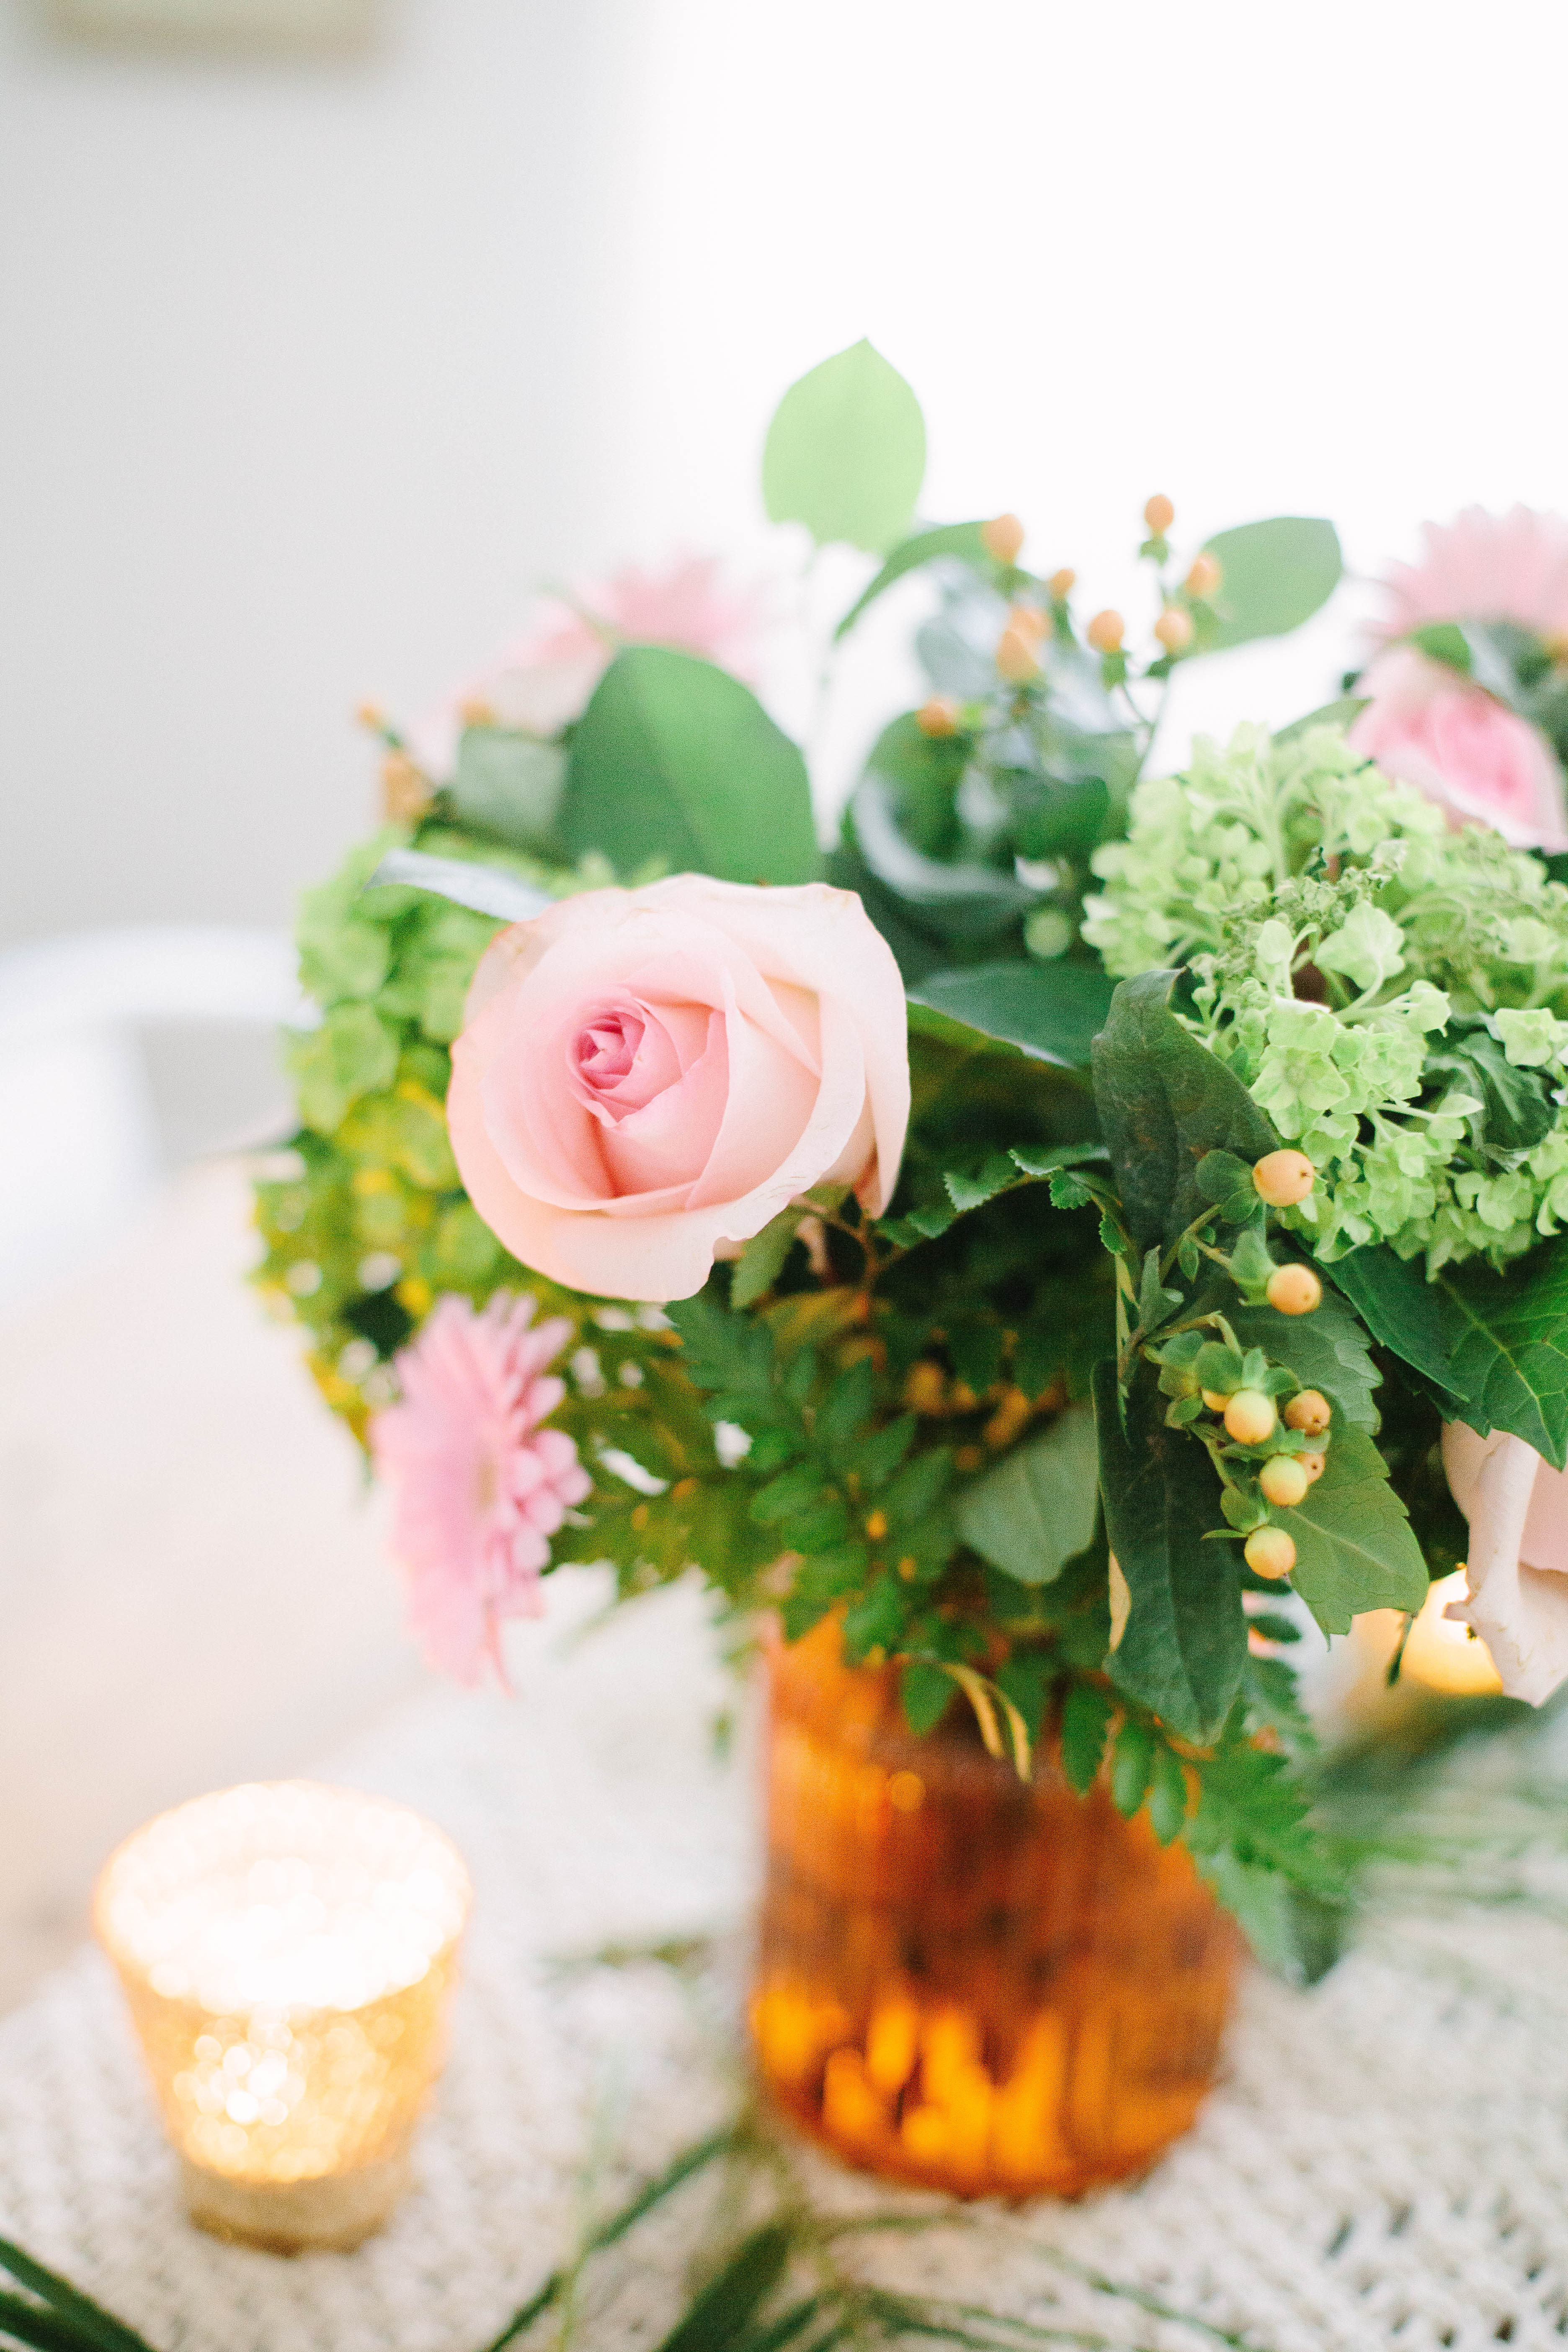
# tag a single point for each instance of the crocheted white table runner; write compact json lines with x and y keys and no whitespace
{"x":1386,"y":2163}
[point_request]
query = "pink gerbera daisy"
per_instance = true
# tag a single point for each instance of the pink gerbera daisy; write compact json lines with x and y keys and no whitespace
{"x":543,"y":682}
{"x":478,"y":1487}
{"x":1466,"y":751}
{"x":1483,"y":567}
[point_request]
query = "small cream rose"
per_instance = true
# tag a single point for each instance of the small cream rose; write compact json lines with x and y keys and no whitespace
{"x":647,"y":1076}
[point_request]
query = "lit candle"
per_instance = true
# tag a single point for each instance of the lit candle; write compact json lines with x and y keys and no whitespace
{"x":1439,"y":1654}
{"x":287,"y":1951}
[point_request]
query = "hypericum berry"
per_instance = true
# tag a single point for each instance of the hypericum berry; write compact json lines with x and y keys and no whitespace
{"x":1003,"y":537}
{"x":1249,"y":1416}
{"x":1269,"y":1551}
{"x":1204,"y":576}
{"x":1314,"y":1465}
{"x":1309,"y":1410}
{"x":1017,"y":659}
{"x":1030,"y":622}
{"x":1294,"y":1290}
{"x":1174,"y":629}
{"x":1106,"y":631}
{"x":1283,"y":1479}
{"x":1215,"y":1398}
{"x":1159,"y":514}
{"x":1283,"y":1177}
{"x":938,"y":717}
{"x":1061,"y":584}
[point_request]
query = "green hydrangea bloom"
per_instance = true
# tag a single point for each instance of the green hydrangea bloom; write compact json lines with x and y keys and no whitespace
{"x":1394,"y":993}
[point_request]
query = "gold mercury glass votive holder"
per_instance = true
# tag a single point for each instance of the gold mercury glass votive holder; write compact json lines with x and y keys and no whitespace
{"x":288,"y":1950}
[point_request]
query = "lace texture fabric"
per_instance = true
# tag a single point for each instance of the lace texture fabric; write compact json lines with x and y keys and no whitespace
{"x":1384,"y":2164}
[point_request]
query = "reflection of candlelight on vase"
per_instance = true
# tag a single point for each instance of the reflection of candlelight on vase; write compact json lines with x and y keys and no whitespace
{"x":287,"y":1951}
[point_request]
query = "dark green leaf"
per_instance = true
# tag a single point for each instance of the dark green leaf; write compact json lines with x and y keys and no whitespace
{"x":961,"y":540}
{"x":1168,"y":1795}
{"x":1131,"y":1766}
{"x":1512,"y":1362}
{"x":845,"y":452}
{"x":727,"y":2302}
{"x":1086,"y":1719}
{"x":1184,"y":1647}
{"x":789,"y":1492}
{"x":849,"y":1404}
{"x":1416,"y":1318}
{"x":1516,"y":1105}
{"x":925,"y":1691}
{"x":1035,"y":1511}
{"x":960,"y":899}
{"x":675,"y":760}
{"x":1051,"y":1010}
{"x":86,"y":2322}
{"x":1166,"y":1102}
{"x":918,"y":1487}
{"x":875,"y":1620}
{"x":1326,"y":1350}
{"x":1274,"y":575}
{"x":1355,"y":1548}
{"x":878,"y":1456}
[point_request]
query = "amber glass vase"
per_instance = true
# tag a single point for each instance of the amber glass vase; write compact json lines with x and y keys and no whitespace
{"x":983,"y":1986}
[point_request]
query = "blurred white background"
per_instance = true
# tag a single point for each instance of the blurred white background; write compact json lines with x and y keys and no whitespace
{"x":311,"y":371}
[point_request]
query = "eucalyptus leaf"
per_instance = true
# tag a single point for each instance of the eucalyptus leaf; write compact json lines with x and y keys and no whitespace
{"x":1050,"y":1011}
{"x":1183,"y":1651}
{"x":1354,"y":1546}
{"x":1036,"y":1508}
{"x":485,"y":888}
{"x":961,"y":540}
{"x":675,"y":760}
{"x":971,"y":900}
{"x":845,"y":452}
{"x":1274,"y":576}
{"x":1166,"y":1102}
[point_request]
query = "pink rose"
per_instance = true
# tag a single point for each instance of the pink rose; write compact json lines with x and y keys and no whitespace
{"x":647,"y":1076}
{"x":1482,"y":764}
{"x":1517,"y":1572}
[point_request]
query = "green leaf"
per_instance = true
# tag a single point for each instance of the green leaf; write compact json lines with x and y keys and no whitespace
{"x":1051,"y":1010}
{"x":925,"y":1691}
{"x":1447,"y":643}
{"x":875,"y":1620}
{"x":676,"y":761}
{"x":1354,"y":1547}
{"x":1513,"y":1360}
{"x":1326,"y":1350}
{"x":1035,"y":1511}
{"x":1168,"y":1794}
{"x":849,"y":1404}
{"x":1131,"y":1766}
{"x":1166,"y":1102}
{"x":1276,"y":574}
{"x":1516,"y":1107}
{"x":508,"y":784}
{"x":1185,"y":1648}
{"x":791,"y":1491}
{"x":81,"y":2322}
{"x":762,"y":1261}
{"x":1415,"y":1317}
{"x":727,"y":2301}
{"x":354,"y":1052}
{"x":1086,"y":1719}
{"x":918,"y":1488}
{"x":1343,"y":711}
{"x":845,"y":452}
{"x":953,"y":538}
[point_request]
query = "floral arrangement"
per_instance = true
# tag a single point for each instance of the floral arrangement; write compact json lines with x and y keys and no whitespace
{"x":1035,"y":1232}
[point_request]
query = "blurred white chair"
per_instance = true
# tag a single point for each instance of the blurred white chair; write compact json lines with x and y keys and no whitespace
{"x":81,"y":1143}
